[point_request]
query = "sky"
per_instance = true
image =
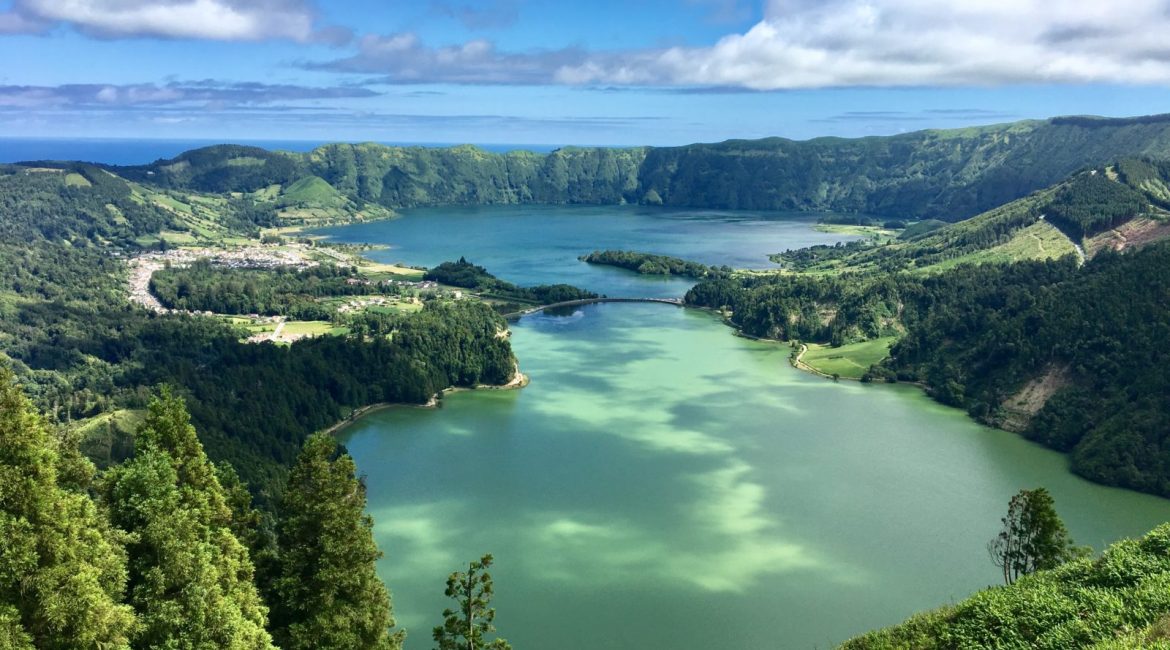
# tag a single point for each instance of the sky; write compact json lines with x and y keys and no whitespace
{"x":603,"y":72}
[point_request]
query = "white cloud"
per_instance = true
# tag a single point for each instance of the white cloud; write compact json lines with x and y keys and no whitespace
{"x":831,"y":43}
{"x":910,"y":43}
{"x":222,"y":20}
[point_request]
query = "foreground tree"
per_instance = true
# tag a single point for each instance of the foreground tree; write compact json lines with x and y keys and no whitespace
{"x":62,"y":568}
{"x":1033,"y":537}
{"x":191,"y":579}
{"x":465,"y":629}
{"x":327,"y":594}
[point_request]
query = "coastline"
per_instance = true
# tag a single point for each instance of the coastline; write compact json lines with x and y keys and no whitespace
{"x":519,"y":380}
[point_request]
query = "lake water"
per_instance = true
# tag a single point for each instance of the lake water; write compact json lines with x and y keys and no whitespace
{"x":663,"y":483}
{"x":540,"y":244}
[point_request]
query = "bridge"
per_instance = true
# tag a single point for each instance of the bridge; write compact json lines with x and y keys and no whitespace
{"x":677,"y":302}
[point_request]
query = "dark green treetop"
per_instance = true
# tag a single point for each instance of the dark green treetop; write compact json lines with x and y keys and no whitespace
{"x":191,"y":579}
{"x":327,"y":594}
{"x":62,"y":568}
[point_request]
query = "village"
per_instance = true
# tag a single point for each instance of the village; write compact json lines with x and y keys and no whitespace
{"x":408,"y":294}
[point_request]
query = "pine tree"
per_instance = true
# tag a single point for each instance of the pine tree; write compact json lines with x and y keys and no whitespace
{"x":465,"y":629}
{"x":191,"y":579}
{"x":62,"y":567}
{"x":327,"y":593}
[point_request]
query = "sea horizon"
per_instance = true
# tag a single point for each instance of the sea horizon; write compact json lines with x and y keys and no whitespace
{"x":141,"y":151}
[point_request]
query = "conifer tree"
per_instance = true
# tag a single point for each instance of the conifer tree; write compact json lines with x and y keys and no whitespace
{"x":62,"y":567}
{"x":327,"y":594}
{"x":190,"y":578}
{"x":465,"y":628}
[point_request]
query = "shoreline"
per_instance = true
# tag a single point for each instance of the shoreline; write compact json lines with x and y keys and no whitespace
{"x":519,"y":380}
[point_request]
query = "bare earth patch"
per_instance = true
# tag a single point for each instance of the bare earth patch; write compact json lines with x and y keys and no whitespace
{"x":1020,"y":408}
{"x":1132,"y":234}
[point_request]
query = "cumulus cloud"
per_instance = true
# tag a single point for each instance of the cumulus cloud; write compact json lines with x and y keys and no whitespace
{"x":910,"y":43}
{"x":221,"y":20}
{"x":831,"y":43}
{"x":208,"y":93}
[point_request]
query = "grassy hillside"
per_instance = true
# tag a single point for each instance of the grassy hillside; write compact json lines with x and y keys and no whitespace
{"x":1119,"y":601}
{"x":1046,"y":224}
{"x":948,"y":175}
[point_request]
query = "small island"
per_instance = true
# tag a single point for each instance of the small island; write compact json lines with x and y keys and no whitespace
{"x":651,"y":264}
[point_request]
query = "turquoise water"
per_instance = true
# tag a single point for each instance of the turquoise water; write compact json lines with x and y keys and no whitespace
{"x":663,"y":483}
{"x":540,"y":244}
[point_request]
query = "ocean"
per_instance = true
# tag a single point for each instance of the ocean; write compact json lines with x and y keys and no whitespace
{"x":118,"y":151}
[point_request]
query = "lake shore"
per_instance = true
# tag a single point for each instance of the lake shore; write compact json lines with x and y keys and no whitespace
{"x":519,"y":380}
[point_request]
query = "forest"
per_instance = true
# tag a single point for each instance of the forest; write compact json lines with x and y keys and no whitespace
{"x":165,"y":550}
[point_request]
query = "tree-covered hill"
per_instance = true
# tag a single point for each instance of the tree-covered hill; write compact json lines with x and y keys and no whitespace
{"x":948,"y":174}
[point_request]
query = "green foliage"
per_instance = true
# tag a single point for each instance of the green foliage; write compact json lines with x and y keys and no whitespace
{"x":221,"y":168}
{"x":1075,"y":605}
{"x":191,"y":580}
{"x":62,"y":567}
{"x":466,"y":628}
{"x":327,"y":594}
{"x":1033,"y":537}
{"x":1091,"y":203}
{"x":650,"y":264}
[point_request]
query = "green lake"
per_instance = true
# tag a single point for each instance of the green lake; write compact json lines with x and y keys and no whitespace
{"x":663,"y":483}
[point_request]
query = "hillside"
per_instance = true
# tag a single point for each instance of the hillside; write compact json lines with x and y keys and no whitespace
{"x":1086,"y":210}
{"x":943,"y":174}
{"x":1117,"y":602}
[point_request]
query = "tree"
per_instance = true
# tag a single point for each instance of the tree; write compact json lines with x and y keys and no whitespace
{"x":327,"y":593}
{"x":62,"y":567}
{"x":1033,"y":537}
{"x":191,"y":580}
{"x":465,"y":629}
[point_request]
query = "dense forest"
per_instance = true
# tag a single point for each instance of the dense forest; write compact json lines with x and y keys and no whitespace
{"x":948,"y":175}
{"x":165,"y":549}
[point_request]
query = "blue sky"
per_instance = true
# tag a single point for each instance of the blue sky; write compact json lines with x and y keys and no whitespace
{"x":602,"y":72}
